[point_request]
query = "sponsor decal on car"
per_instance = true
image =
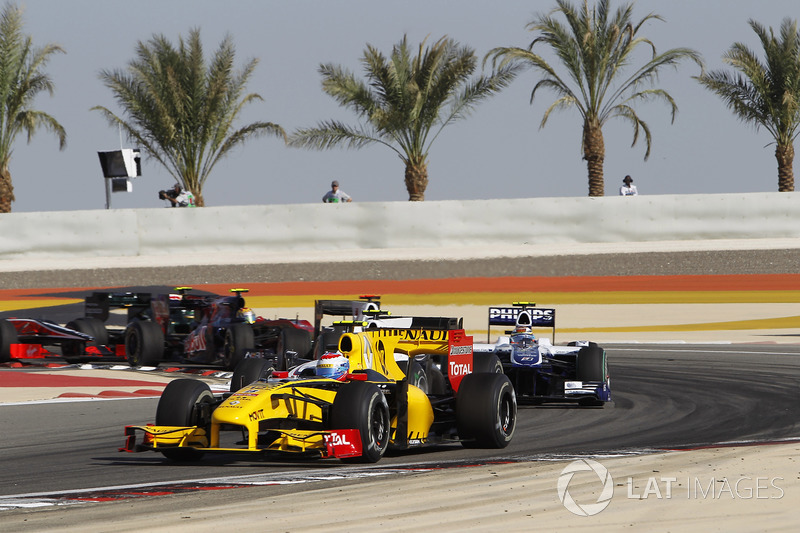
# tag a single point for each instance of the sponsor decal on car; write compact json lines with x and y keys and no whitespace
{"x":343,"y":443}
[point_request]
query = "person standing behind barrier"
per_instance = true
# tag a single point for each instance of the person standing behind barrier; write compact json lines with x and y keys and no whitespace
{"x":336,"y":195}
{"x":628,"y":189}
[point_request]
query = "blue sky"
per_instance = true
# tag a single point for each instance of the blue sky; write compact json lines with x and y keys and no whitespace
{"x":498,"y":152}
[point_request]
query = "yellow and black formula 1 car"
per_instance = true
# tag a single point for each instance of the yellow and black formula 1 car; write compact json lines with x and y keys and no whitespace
{"x":352,"y":404}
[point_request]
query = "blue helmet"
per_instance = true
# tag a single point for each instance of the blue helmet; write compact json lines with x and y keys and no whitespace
{"x":333,"y":365}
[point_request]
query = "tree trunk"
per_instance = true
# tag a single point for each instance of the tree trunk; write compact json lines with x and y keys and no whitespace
{"x":199,"y":201}
{"x":416,"y":179}
{"x":785,"y":156}
{"x":6,"y":190}
{"x":594,"y":152}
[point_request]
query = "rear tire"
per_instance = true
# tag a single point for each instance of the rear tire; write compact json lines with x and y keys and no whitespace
{"x":362,"y":406}
{"x":8,"y":336}
{"x":249,"y":371}
{"x":182,"y":405}
{"x":239,"y":340}
{"x":486,"y":411}
{"x":144,"y":343}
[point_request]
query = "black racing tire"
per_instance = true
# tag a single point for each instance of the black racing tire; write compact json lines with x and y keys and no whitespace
{"x":249,"y":371}
{"x":486,"y":411}
{"x":239,"y":340}
{"x":97,"y":329}
{"x":486,"y":363}
{"x":8,"y":336}
{"x":415,"y":374}
{"x":181,"y":405}
{"x":144,"y":343}
{"x":591,"y":364}
{"x":362,"y":406}
{"x":292,"y":340}
{"x":437,"y":385}
{"x":326,"y":341}
{"x":71,"y":350}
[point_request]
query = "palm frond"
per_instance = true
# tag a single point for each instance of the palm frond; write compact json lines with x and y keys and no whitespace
{"x":406,"y":99}
{"x":181,"y":108}
{"x":596,"y":47}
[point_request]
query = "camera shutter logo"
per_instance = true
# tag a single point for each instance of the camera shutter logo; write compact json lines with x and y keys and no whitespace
{"x":587,"y":509}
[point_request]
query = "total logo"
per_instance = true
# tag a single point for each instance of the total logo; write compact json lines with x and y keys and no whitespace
{"x":337,"y":439}
{"x":460,"y":369}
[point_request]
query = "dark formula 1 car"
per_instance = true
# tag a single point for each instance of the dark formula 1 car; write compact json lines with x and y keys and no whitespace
{"x":27,"y":338}
{"x":206,"y":329}
{"x":352,"y":404}
{"x":540,"y":370}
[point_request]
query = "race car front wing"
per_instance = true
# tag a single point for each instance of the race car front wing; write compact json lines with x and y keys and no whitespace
{"x":338,"y":443}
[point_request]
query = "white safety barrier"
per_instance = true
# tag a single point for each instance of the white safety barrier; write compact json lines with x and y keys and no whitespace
{"x":398,"y":225}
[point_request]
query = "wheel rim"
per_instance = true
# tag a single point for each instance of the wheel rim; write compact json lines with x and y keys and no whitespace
{"x":506,"y":414}
{"x":379,"y":427}
{"x":133,"y":347}
{"x":230,"y":348}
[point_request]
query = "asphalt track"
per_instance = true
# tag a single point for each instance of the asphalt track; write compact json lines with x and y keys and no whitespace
{"x":665,"y":397}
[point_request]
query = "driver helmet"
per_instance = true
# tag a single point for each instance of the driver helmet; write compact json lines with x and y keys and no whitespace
{"x":247,"y":314}
{"x":333,"y":365}
{"x":522,"y":329}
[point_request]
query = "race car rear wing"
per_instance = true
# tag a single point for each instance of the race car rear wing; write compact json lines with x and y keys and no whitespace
{"x":99,"y":304}
{"x":521,"y":314}
{"x":355,"y":310}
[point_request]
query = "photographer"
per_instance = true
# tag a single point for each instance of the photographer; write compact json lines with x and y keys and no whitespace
{"x":177,"y":196}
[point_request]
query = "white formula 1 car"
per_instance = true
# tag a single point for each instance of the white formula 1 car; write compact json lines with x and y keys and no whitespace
{"x":541,"y":371}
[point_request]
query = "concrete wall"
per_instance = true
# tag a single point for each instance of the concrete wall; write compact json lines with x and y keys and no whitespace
{"x":386,"y":225}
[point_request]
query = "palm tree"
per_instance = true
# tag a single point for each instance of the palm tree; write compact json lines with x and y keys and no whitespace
{"x":766,"y":94}
{"x":404,"y":103}
{"x":21,"y":80}
{"x":180,"y":110}
{"x":595,"y":47}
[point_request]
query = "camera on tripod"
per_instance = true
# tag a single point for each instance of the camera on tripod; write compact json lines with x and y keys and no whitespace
{"x":169,"y":193}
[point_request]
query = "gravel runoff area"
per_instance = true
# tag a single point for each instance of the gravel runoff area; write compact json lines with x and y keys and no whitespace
{"x":722,"y":489}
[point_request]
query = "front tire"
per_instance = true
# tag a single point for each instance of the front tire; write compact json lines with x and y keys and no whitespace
{"x":71,"y":350}
{"x":486,"y":411}
{"x":144,"y":343}
{"x":415,"y":374}
{"x":486,"y":363}
{"x":362,"y":406}
{"x":249,"y":371}
{"x":591,"y":364}
{"x":292,"y":340}
{"x":185,"y":403}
